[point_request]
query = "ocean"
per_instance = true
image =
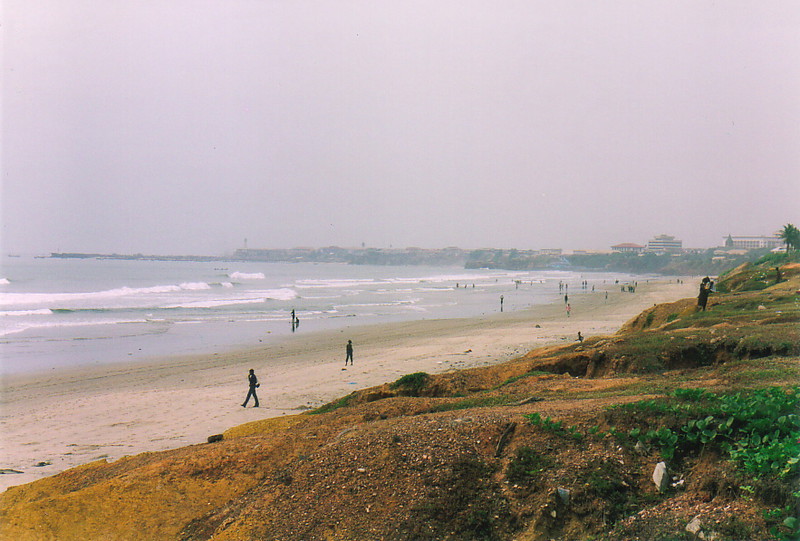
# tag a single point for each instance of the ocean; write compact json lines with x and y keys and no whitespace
{"x":63,"y":313}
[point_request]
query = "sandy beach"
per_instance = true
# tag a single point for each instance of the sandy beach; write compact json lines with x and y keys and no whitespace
{"x":59,"y":420}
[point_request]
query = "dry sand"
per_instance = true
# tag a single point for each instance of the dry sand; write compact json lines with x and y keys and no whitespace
{"x":70,"y":418}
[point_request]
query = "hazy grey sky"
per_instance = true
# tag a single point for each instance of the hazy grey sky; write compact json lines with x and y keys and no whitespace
{"x":183,"y":127}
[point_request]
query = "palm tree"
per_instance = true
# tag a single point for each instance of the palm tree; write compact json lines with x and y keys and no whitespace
{"x":790,"y":235}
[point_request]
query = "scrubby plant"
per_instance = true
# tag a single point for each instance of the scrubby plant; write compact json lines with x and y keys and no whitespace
{"x":411,"y":384}
{"x":527,"y":465}
{"x":555,"y":427}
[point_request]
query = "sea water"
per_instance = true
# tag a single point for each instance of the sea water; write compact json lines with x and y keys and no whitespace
{"x":59,"y":313}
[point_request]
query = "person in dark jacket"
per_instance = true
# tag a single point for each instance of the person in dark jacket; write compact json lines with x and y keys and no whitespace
{"x":705,"y":289}
{"x":253,"y":382}
{"x":349,"y":352}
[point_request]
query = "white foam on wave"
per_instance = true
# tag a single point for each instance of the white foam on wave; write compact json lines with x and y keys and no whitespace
{"x":215,"y":303}
{"x":194,"y":286}
{"x":336,"y":282}
{"x":16,"y":299}
{"x":246,"y":275}
{"x":39,"y":312}
{"x":226,"y":284}
{"x":35,"y":325}
{"x":4,"y":282}
{"x":282,"y":294}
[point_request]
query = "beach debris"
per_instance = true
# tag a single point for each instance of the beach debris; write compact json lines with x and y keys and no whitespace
{"x":42,"y":464}
{"x":4,"y":471}
{"x":504,"y":438}
{"x":215,"y":438}
{"x":661,"y":477}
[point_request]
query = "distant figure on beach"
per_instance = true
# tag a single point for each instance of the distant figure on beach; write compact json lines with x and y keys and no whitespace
{"x":501,"y":303}
{"x":294,"y":320}
{"x":705,"y":289}
{"x":349,"y":352}
{"x":580,"y":337}
{"x":569,"y":309}
{"x":566,"y":299}
{"x":252,"y":381}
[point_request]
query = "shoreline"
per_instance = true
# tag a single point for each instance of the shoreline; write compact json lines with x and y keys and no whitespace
{"x":74,"y":416}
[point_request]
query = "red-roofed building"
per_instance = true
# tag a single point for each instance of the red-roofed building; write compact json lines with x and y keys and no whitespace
{"x":628,"y":248}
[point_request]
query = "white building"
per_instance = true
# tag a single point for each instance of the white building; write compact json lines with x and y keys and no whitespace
{"x":664,"y":243}
{"x":627,"y":248}
{"x":753,"y":242}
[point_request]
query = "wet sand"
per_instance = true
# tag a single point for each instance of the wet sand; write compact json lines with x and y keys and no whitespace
{"x":67,"y":418}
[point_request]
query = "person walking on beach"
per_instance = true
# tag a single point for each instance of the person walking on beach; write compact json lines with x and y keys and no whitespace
{"x":349,"y":351}
{"x":252,"y":380}
{"x":501,"y":303}
{"x":569,"y":309}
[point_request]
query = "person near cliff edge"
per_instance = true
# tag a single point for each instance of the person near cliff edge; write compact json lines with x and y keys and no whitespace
{"x":705,"y":288}
{"x":252,"y":380}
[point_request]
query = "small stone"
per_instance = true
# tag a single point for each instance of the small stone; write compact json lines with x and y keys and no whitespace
{"x":660,"y":477}
{"x":362,"y":470}
{"x":694,"y":526}
{"x":215,"y":438}
{"x":563,"y":495}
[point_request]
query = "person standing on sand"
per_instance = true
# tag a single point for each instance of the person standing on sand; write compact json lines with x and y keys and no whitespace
{"x":349,"y":351}
{"x":501,"y":303}
{"x":252,"y":380}
{"x":569,"y":309}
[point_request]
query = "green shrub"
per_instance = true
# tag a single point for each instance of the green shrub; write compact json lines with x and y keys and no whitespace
{"x":759,"y":430}
{"x":411,"y":384}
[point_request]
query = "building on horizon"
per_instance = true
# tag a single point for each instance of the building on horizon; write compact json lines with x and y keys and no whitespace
{"x":744,"y":242}
{"x":665,"y":244}
{"x":628,"y":248}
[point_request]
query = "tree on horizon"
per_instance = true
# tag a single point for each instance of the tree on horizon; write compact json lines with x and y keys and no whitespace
{"x":790,"y":235}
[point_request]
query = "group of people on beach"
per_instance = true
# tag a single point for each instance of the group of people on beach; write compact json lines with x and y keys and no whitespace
{"x":706,"y":286}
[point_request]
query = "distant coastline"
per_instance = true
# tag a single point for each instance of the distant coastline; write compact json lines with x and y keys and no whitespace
{"x":709,"y":261}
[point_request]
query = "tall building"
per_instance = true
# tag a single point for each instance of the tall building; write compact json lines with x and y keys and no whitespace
{"x":664,"y":243}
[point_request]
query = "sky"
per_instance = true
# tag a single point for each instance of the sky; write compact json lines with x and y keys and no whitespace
{"x":187,"y":126}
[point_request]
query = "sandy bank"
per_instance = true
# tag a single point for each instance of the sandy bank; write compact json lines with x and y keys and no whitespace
{"x":73,"y":417}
